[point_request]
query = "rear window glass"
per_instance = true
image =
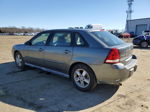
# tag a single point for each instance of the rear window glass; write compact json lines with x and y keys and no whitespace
{"x":108,"y":38}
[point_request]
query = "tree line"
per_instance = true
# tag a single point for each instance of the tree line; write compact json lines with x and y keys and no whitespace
{"x":19,"y":30}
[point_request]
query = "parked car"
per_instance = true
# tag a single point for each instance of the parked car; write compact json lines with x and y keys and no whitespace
{"x":88,"y":57}
{"x":132,"y":35}
{"x":143,"y":41}
{"x":125,"y":35}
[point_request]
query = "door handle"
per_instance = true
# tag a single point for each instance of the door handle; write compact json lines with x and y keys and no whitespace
{"x":67,"y":51}
{"x":41,"y":49}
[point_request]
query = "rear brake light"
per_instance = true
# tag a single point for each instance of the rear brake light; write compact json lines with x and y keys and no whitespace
{"x":113,"y":56}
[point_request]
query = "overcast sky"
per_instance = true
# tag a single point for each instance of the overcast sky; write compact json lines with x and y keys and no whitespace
{"x":50,"y":14}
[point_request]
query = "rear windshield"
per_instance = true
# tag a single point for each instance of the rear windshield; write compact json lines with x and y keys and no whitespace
{"x":108,"y":38}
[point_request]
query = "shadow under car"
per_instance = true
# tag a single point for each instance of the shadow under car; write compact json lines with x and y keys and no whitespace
{"x":40,"y":91}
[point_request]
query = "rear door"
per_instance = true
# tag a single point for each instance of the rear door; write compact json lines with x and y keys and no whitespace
{"x":34,"y":53}
{"x":58,"y":52}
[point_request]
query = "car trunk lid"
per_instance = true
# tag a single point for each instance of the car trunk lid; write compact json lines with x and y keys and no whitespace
{"x":125,"y":51}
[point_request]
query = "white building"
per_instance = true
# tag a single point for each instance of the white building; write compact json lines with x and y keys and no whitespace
{"x":137,"y":26}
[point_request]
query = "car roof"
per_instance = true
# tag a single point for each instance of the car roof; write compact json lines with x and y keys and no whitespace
{"x":73,"y":30}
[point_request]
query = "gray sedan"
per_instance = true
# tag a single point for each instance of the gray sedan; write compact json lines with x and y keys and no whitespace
{"x":88,"y":57}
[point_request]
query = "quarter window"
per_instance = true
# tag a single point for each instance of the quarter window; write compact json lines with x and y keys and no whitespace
{"x":61,"y":39}
{"x":41,"y":39}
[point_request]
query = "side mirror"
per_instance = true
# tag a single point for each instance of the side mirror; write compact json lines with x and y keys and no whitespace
{"x":28,"y":43}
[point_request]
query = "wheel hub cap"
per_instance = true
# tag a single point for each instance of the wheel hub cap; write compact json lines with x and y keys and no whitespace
{"x":18,"y":60}
{"x":144,"y":44}
{"x":81,"y":78}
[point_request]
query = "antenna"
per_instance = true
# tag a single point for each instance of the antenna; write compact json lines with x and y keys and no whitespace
{"x":129,"y":11}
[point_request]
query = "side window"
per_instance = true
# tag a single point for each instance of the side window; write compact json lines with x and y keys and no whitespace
{"x":40,"y":40}
{"x":79,"y":40}
{"x":61,"y":39}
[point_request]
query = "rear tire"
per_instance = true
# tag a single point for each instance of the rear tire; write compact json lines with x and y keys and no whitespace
{"x":83,"y":77}
{"x":19,"y":60}
{"x":144,"y":44}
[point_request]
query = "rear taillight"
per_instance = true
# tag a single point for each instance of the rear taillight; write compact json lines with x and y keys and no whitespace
{"x":113,"y":56}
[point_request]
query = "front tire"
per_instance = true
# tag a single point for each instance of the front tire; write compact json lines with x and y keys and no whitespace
{"x":19,"y":61}
{"x":144,"y":44}
{"x":83,"y":77}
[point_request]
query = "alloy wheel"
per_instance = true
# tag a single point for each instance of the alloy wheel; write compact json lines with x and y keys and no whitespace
{"x":81,"y":78}
{"x":19,"y":60}
{"x":144,"y":44}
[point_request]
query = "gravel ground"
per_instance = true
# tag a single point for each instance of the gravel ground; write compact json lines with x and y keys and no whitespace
{"x":39,"y":91}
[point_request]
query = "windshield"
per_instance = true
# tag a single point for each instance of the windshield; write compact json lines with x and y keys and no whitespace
{"x":108,"y":38}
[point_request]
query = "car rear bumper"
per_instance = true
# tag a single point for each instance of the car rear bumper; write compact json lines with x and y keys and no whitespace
{"x":116,"y":73}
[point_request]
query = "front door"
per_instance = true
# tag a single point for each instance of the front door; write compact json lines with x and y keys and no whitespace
{"x":34,"y":53}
